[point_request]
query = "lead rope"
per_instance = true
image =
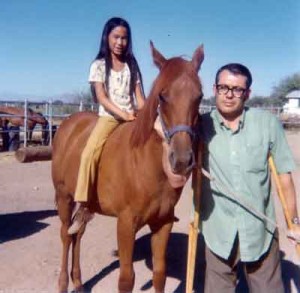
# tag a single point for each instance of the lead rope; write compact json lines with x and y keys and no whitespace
{"x":242,"y":202}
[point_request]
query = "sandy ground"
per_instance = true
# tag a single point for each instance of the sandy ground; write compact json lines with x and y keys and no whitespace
{"x":30,"y":243}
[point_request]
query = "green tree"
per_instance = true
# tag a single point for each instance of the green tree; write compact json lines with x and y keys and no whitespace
{"x":286,"y":86}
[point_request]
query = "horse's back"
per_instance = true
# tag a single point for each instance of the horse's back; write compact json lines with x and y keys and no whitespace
{"x":69,"y":141}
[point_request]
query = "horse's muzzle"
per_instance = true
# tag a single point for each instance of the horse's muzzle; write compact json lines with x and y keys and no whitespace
{"x":182,"y":163}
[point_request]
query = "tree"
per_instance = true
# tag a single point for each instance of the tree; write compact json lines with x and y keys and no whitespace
{"x":58,"y":102}
{"x":84,"y":96}
{"x":286,"y":86}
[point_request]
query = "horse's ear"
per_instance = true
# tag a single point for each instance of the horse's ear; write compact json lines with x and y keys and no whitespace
{"x":198,"y":58}
{"x":158,"y":59}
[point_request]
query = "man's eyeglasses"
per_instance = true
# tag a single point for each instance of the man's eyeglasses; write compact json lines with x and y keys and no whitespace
{"x":223,"y":89}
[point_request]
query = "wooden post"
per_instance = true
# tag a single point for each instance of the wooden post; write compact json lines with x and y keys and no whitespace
{"x":194,"y":226}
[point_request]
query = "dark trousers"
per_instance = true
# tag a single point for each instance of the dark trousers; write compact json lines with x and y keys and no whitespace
{"x":262,"y":276}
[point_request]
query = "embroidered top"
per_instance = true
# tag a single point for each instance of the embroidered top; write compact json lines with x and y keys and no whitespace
{"x":118,"y":88}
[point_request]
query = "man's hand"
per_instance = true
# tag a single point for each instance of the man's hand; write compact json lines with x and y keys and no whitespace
{"x":294,"y":234}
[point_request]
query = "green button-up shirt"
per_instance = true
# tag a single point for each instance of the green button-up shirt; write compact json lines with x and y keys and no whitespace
{"x":239,"y":160}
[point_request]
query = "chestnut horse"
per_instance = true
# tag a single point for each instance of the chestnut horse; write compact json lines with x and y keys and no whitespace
{"x":17,"y":119}
{"x":131,"y":182}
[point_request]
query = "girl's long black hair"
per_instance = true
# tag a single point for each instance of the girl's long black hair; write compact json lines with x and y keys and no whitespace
{"x":104,"y":53}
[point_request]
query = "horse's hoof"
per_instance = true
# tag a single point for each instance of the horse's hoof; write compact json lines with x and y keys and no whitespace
{"x":115,"y":253}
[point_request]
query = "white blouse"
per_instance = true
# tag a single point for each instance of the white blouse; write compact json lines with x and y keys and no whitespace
{"x":118,"y":88}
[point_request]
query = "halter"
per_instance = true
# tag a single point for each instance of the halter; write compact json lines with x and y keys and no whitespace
{"x":168,"y":133}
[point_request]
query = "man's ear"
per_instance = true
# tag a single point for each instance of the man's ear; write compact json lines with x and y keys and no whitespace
{"x":247,"y":95}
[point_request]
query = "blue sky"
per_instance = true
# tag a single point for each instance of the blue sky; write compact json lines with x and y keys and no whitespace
{"x":46,"y":47}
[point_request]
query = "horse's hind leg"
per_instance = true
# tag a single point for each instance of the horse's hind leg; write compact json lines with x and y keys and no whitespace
{"x":126,"y":236}
{"x":159,"y":242}
{"x":76,"y":271}
{"x":64,"y":205}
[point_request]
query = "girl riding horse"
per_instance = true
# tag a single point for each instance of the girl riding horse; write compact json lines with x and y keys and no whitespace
{"x":132,"y":179}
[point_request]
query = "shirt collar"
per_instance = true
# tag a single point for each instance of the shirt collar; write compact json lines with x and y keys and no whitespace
{"x":218,"y":118}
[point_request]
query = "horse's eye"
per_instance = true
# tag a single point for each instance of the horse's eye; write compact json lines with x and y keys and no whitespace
{"x":161,"y":98}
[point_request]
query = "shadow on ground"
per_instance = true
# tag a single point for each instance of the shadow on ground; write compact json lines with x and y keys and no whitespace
{"x":176,"y":260}
{"x":19,"y":225}
{"x":290,"y":274}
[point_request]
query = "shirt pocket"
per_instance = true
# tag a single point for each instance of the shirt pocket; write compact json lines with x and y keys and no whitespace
{"x":255,"y":157}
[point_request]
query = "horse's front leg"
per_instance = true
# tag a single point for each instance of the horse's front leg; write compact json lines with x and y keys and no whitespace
{"x":126,"y":236}
{"x":159,"y":242}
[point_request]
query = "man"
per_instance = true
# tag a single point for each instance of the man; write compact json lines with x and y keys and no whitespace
{"x":239,"y":141}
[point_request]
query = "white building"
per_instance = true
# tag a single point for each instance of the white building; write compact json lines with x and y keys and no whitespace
{"x":293,"y":103}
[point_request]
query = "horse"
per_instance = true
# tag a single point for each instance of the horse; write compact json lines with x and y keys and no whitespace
{"x":17,"y":119}
{"x":132,"y":184}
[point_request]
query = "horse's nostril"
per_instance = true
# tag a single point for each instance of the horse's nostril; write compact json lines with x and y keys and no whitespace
{"x":172,"y":159}
{"x":191,"y":160}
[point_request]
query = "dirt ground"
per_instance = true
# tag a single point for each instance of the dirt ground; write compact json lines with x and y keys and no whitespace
{"x":30,"y":243}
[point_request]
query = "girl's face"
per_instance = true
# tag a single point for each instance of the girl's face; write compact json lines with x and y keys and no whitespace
{"x":118,"y":41}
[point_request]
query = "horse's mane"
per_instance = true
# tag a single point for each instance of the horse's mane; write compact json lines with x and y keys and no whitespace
{"x":145,"y":120}
{"x":144,"y":123}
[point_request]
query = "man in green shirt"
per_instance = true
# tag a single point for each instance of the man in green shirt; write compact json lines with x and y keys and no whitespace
{"x":239,"y":141}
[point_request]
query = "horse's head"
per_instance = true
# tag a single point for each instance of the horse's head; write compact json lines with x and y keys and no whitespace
{"x":38,"y":118}
{"x":178,"y":90}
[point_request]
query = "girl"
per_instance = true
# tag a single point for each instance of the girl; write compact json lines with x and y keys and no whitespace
{"x":115,"y":78}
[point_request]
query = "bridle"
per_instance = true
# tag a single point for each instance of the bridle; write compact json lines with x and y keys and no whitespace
{"x":168,"y":133}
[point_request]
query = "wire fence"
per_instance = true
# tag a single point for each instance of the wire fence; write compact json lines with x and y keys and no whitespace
{"x":15,"y":127}
{"x":55,"y":113}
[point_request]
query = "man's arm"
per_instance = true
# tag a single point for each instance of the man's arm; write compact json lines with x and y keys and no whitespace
{"x":289,"y":191}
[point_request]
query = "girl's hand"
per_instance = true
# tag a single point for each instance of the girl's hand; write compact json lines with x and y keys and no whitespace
{"x":129,"y":116}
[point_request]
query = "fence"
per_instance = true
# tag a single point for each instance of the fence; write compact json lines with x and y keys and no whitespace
{"x":56,"y":112}
{"x":53,"y":112}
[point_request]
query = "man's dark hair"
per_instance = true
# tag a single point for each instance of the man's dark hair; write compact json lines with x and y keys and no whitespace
{"x":236,"y":69}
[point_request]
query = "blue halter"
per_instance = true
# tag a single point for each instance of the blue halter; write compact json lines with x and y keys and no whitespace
{"x":168,"y":133}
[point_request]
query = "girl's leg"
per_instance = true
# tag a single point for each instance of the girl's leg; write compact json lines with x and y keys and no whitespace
{"x":88,"y":166}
